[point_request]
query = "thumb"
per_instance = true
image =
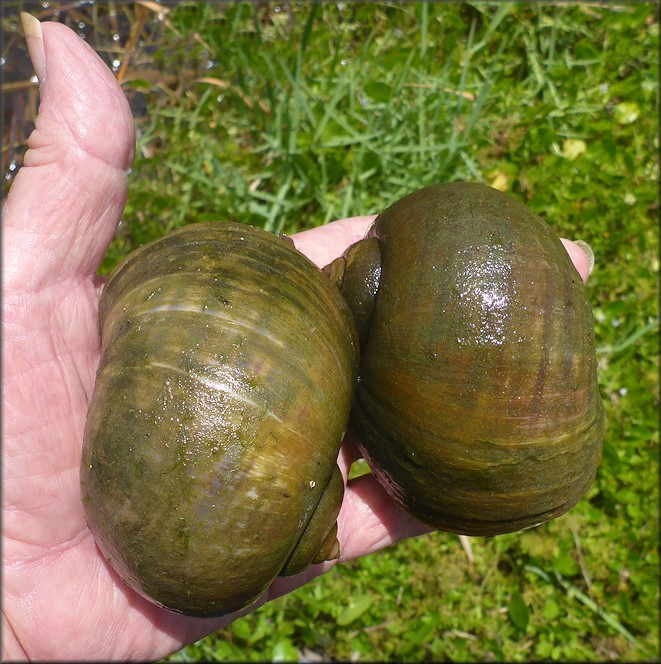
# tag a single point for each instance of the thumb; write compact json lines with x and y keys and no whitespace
{"x":66,"y":201}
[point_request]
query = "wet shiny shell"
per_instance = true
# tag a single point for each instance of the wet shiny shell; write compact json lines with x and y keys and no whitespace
{"x":221,"y":400}
{"x":477,"y":399}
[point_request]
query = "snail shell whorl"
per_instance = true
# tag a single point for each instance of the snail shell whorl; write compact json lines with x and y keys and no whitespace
{"x":222,"y":397}
{"x":477,"y":401}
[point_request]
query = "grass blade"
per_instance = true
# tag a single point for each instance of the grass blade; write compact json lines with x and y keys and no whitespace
{"x":588,"y":602}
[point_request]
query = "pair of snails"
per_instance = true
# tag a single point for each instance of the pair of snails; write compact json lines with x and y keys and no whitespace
{"x":457,"y":335}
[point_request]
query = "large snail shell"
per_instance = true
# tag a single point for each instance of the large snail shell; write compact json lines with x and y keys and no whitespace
{"x":477,"y":399}
{"x":222,"y":397}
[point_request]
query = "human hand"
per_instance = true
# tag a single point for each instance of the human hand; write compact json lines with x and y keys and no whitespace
{"x":60,"y":598}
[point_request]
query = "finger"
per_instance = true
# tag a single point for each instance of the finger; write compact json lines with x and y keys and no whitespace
{"x":66,"y":200}
{"x":370,"y":520}
{"x":322,"y":245}
{"x":349,"y":452}
{"x":581,"y":255}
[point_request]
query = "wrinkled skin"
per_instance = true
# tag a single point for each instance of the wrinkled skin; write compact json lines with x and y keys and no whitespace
{"x":60,"y":599}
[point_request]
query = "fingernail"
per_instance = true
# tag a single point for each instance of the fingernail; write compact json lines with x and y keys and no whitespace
{"x":35,"y":40}
{"x":587,"y":249}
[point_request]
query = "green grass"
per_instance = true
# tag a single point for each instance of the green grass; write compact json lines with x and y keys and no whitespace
{"x":323,"y":111}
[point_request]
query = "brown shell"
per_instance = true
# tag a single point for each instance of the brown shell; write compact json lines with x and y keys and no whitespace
{"x":222,"y":397}
{"x":477,"y":399}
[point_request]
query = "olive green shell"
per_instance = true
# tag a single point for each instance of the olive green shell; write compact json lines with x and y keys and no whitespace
{"x":477,"y":401}
{"x":227,"y":369}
